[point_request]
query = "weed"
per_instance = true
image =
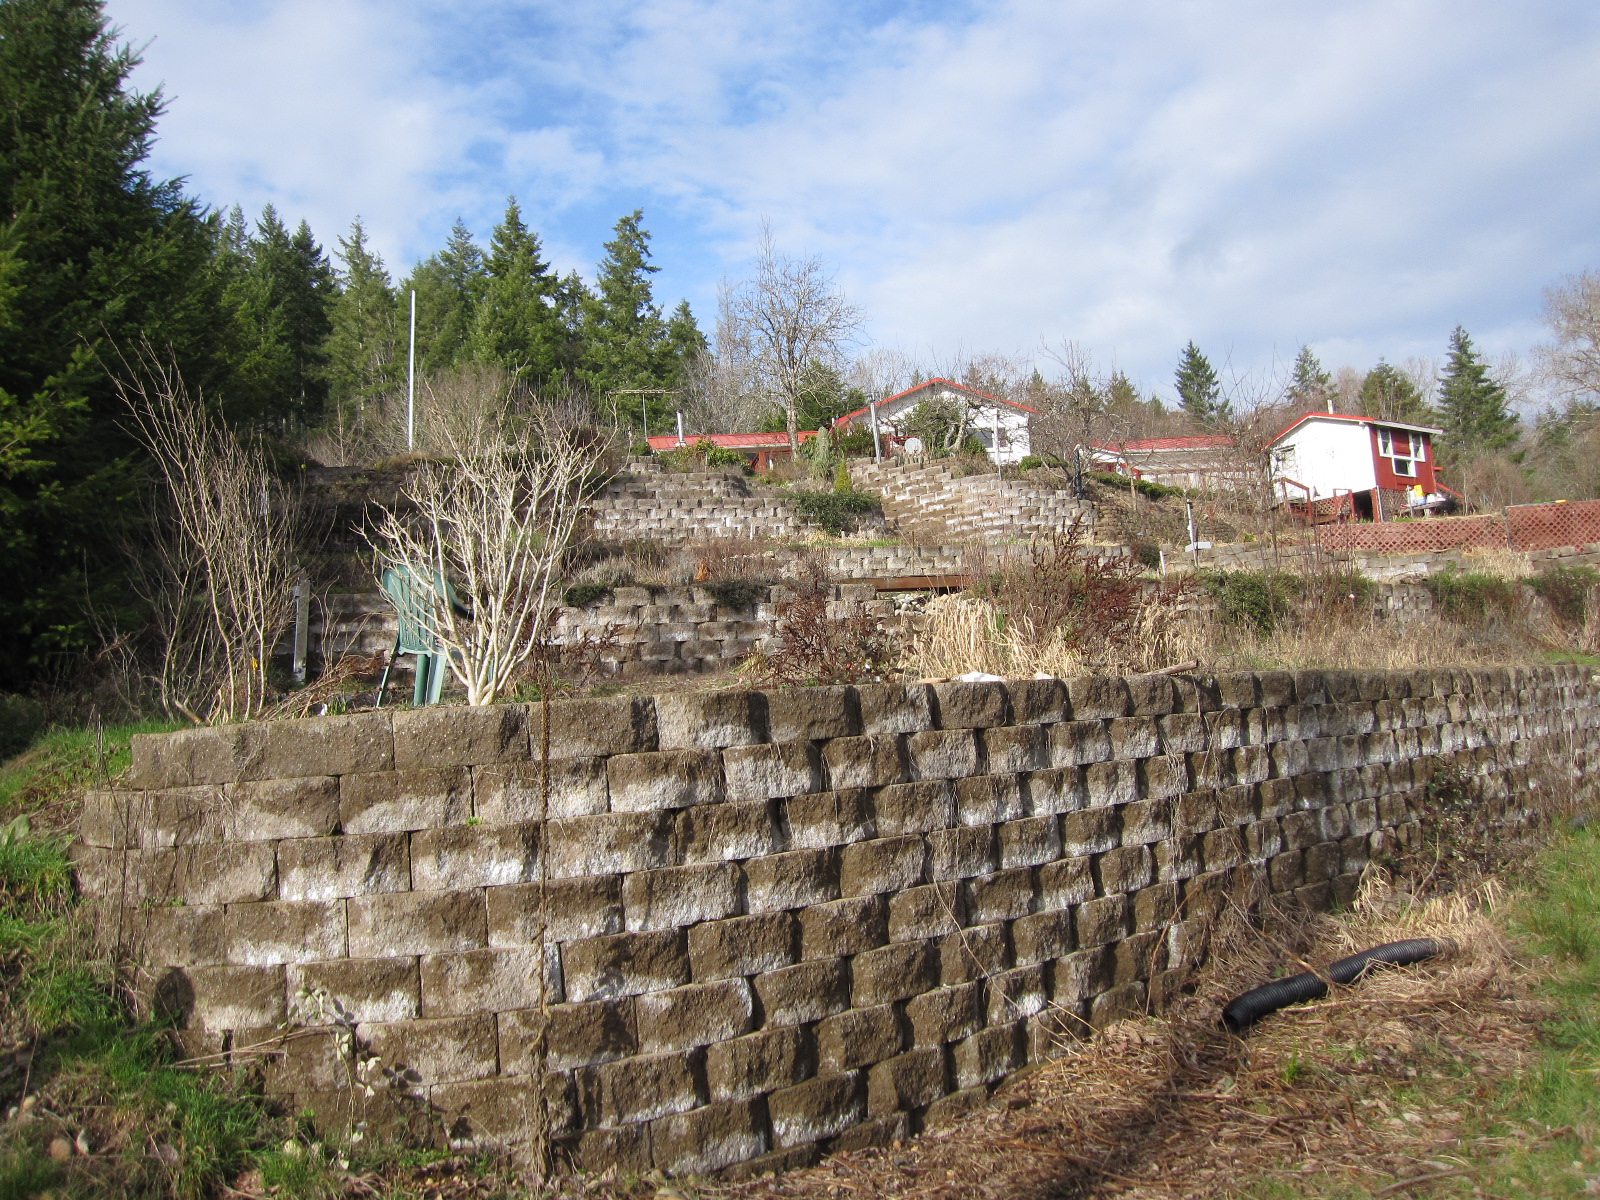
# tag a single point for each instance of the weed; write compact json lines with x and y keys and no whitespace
{"x":737,"y":594}
{"x":837,"y":512}
{"x":1471,"y":594}
{"x":1253,"y":600}
{"x":1566,"y":590}
{"x":581,"y":595}
{"x":815,"y":648}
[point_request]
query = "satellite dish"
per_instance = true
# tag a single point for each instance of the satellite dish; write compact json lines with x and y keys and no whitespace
{"x":913,"y":445}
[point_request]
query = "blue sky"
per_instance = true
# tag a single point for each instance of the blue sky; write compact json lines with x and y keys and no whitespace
{"x":1128,"y":174}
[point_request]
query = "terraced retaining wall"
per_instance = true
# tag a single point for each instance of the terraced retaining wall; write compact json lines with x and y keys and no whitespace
{"x":769,"y":925}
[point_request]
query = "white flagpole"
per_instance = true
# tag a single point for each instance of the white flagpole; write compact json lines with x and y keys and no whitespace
{"x":411,"y":378}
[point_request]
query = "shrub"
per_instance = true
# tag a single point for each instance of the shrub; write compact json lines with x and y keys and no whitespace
{"x":853,"y":443}
{"x":1471,"y":594}
{"x":815,"y":648}
{"x":837,"y":512}
{"x":1565,"y":590}
{"x":1145,"y":487}
{"x":700,"y":455}
{"x":1251,"y":599}
{"x":1146,"y":554}
{"x":581,"y":595}
{"x":737,"y":594}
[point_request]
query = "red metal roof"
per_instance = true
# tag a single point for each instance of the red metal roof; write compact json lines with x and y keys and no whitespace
{"x":733,"y":441}
{"x":1199,"y":442}
{"x":1359,"y":420}
{"x":960,"y":387}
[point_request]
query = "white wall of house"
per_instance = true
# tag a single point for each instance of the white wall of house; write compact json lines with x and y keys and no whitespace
{"x":1015,"y":441}
{"x":1326,"y":456}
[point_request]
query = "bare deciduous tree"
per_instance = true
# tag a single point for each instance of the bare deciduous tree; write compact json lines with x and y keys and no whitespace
{"x":490,"y":524}
{"x":221,"y":560}
{"x":721,"y":391}
{"x":1572,"y":361}
{"x":790,"y":316}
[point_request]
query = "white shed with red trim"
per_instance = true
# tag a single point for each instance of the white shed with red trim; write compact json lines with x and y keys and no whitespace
{"x":994,"y":418}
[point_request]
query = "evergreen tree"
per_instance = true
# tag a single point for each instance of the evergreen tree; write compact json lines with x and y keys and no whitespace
{"x":1472,"y":406}
{"x":280,"y":289}
{"x":1309,"y":386}
{"x":1199,"y":393}
{"x":1121,"y":395}
{"x":684,"y":343}
{"x":518,"y":323}
{"x":1390,"y":396}
{"x":96,"y":260}
{"x":625,"y":344}
{"x":449,"y":287}
{"x":365,"y":348}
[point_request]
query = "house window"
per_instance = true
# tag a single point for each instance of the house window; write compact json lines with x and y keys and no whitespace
{"x":1406,"y":467}
{"x":1386,"y":442}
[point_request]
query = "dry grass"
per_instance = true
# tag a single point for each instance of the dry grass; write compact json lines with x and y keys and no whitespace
{"x":1497,"y":561}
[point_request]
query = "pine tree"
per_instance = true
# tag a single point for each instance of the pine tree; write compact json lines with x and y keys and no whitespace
{"x":1199,"y":393}
{"x":624,"y":336}
{"x":96,"y":259}
{"x":1309,"y":386}
{"x":278,"y":297}
{"x":518,"y":324}
{"x":1390,"y":396}
{"x":449,"y":287}
{"x":684,"y":343}
{"x":1472,"y":405}
{"x":365,"y":349}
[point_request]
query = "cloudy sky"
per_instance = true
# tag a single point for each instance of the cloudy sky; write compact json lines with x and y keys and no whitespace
{"x":1360,"y":175}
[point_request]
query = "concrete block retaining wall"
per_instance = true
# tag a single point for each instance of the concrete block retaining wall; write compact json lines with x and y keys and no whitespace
{"x":770,"y":925}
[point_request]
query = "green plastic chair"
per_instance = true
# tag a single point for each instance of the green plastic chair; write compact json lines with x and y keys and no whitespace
{"x":411,"y":604}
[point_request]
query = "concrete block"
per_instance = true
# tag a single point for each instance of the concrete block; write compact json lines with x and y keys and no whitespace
{"x":396,"y":801}
{"x":573,"y":1035}
{"x":1099,"y":922}
{"x":791,"y":880}
{"x":1042,"y":936}
{"x":710,"y":720}
{"x":399,"y":924}
{"x":989,"y":799}
{"x":221,"y":997}
{"x":681,"y":896}
{"x":349,"y":744}
{"x":905,"y":1082}
{"x":842,"y":927}
{"x":1146,"y":822}
{"x":1163,"y":779}
{"x":1078,"y":743}
{"x":497,"y":980}
{"x":812,"y":714}
{"x":977,"y":952}
{"x":593,"y":727}
{"x":1057,"y":790}
{"x":181,"y":936}
{"x":485,"y":1113}
{"x":1012,"y":748}
{"x":971,"y":705}
{"x":986,"y":1056}
{"x":1153,"y":695}
{"x":771,"y":770}
{"x":897,"y":971}
{"x":331,"y":868}
{"x":880,"y":865}
{"x":271,"y":932}
{"x":1110,"y":783}
{"x":960,"y":853}
{"x":742,"y":946}
{"x":1000,"y":896}
{"x":816,"y":1109}
{"x":891,"y":708}
{"x":828,"y":819}
{"x":907,"y":808}
{"x":857,"y":1038}
{"x":683,"y":1018}
{"x":469,"y":856}
{"x":611,"y":843}
{"x":1134,"y":737}
{"x":1019,"y":992}
{"x":708,"y":1139}
{"x":863,"y":762}
{"x":583,"y":907}
{"x":943,"y":754}
{"x":928,"y":911}
{"x":364,"y":989}
{"x":1029,"y":842}
{"x":510,"y":793}
{"x":641,"y":1088}
{"x":1097,"y":699}
{"x":624,"y":964}
{"x":742,"y":1067}
{"x":726,"y":832}
{"x":1090,"y":831}
{"x":1037,"y":701}
{"x":803,"y":993}
{"x":440,"y":736}
{"x":1065,"y":883}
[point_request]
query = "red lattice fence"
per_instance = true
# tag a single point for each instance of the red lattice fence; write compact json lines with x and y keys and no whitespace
{"x":1522,"y":527}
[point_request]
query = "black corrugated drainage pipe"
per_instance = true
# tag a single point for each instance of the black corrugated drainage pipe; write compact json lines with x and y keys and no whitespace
{"x":1244,"y":1011}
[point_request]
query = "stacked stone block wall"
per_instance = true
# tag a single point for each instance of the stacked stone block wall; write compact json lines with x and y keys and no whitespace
{"x":768,"y":925}
{"x":931,"y":502}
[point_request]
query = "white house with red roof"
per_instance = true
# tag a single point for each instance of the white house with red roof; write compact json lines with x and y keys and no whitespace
{"x":1001,"y":425}
{"x":1373,"y":468}
{"x":1206,"y":462}
{"x":761,"y":449}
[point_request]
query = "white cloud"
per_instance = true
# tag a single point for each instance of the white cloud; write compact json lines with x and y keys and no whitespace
{"x":1128,"y":173}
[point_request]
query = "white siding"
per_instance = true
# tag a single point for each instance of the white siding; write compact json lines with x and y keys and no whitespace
{"x":1325,"y":456}
{"x":1014,"y":431}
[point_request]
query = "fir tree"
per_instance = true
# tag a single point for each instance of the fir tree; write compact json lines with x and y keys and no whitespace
{"x":684,"y":343}
{"x":96,"y":259}
{"x":1390,"y":396}
{"x":1309,"y":386}
{"x":1199,"y":393}
{"x":624,"y":336}
{"x":365,"y":349}
{"x":518,"y":324}
{"x":449,"y":287}
{"x":1472,"y":405}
